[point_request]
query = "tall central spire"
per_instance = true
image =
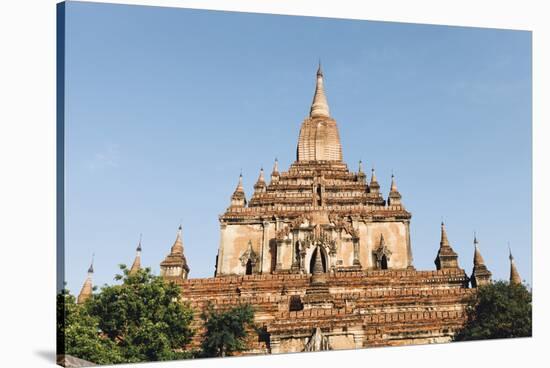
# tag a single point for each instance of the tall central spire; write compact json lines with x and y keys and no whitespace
{"x":319,"y":106}
{"x":319,"y":139}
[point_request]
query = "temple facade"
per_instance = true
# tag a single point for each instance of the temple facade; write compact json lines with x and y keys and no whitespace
{"x":318,"y":207}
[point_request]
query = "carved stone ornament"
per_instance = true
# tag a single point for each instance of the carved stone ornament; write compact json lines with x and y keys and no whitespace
{"x":249,"y":254}
{"x":317,"y":342}
{"x":283,"y":233}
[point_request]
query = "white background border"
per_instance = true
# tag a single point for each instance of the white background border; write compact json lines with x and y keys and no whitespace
{"x":27,"y":182}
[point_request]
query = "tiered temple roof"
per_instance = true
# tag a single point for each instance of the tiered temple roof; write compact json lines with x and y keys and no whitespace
{"x":319,"y":179}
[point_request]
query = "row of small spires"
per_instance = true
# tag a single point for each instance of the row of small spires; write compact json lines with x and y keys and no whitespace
{"x":87,"y":287}
{"x":178,"y":249}
{"x":479,"y":263}
{"x":275,"y":174}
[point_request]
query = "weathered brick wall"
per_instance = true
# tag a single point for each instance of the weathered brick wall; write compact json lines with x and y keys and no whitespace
{"x":380,"y":308}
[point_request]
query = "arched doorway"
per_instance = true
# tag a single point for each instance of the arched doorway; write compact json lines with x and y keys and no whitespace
{"x":323,"y":256}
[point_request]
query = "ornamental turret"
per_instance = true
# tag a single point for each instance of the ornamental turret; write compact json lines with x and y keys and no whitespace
{"x":394,"y":198}
{"x":446,"y":256}
{"x":174,"y":266}
{"x":238,"y":198}
{"x":275,"y":172}
{"x":87,"y":287}
{"x":515,"y":278}
{"x":480,"y":274}
{"x":260,"y":185}
{"x":136,"y":266}
{"x":374,"y":187}
{"x":361,"y":177}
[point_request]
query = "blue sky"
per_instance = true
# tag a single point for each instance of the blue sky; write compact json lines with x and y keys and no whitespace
{"x":164,"y":107}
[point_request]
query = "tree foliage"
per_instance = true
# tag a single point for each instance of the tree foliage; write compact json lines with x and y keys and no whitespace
{"x":226,"y":331}
{"x":78,"y":333}
{"x":500,"y":310}
{"x":142,"y":319}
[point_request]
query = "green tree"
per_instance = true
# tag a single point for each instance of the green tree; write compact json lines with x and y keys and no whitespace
{"x":142,"y":319}
{"x":499,"y":310}
{"x":78,"y":333}
{"x":226,"y":331}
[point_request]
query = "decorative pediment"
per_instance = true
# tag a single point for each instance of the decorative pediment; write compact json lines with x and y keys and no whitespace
{"x":249,"y":254}
{"x":382,"y":250}
{"x":319,"y":236}
{"x":344,"y":223}
{"x":303,"y":219}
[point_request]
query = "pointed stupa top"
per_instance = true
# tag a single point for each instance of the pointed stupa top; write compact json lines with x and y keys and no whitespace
{"x":240,"y":184}
{"x":177,"y":248}
{"x":478,"y":259}
{"x":275,"y":167}
{"x":238,"y":198}
{"x":137,"y":261}
{"x":138,"y":249}
{"x":382,"y":241}
{"x":444,"y":240}
{"x":87,"y":287}
{"x":373,"y":176}
{"x":360,"y":170}
{"x":515,"y":278}
{"x":446,"y":256}
{"x":393,"y":187}
{"x":319,"y":106}
{"x":91,"y":268}
{"x":319,"y":139}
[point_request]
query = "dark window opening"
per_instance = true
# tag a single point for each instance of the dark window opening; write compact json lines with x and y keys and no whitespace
{"x":319,"y":198}
{"x":295,"y":303}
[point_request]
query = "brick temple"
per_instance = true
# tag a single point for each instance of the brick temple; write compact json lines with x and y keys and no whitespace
{"x":325,"y":258}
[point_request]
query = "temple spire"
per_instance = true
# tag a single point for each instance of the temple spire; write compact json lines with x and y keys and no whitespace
{"x":393,"y":186}
{"x":374,"y":186}
{"x":136,"y":266}
{"x":444,"y":240}
{"x":87,"y":287}
{"x":478,"y":259}
{"x":319,"y":106}
{"x":275,"y":172}
{"x":394,"y":198}
{"x":175,"y":265}
{"x":515,"y":278}
{"x":446,"y":256}
{"x":361,"y":177}
{"x":480,"y":274}
{"x":177,"y":247}
{"x":238,"y":198}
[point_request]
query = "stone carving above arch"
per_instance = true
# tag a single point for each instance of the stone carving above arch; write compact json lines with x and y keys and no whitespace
{"x":249,"y":254}
{"x":382,"y":254}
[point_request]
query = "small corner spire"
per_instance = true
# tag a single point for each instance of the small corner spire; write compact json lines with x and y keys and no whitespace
{"x":393,"y":187}
{"x":515,"y":278}
{"x":478,"y":259}
{"x":444,"y":240}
